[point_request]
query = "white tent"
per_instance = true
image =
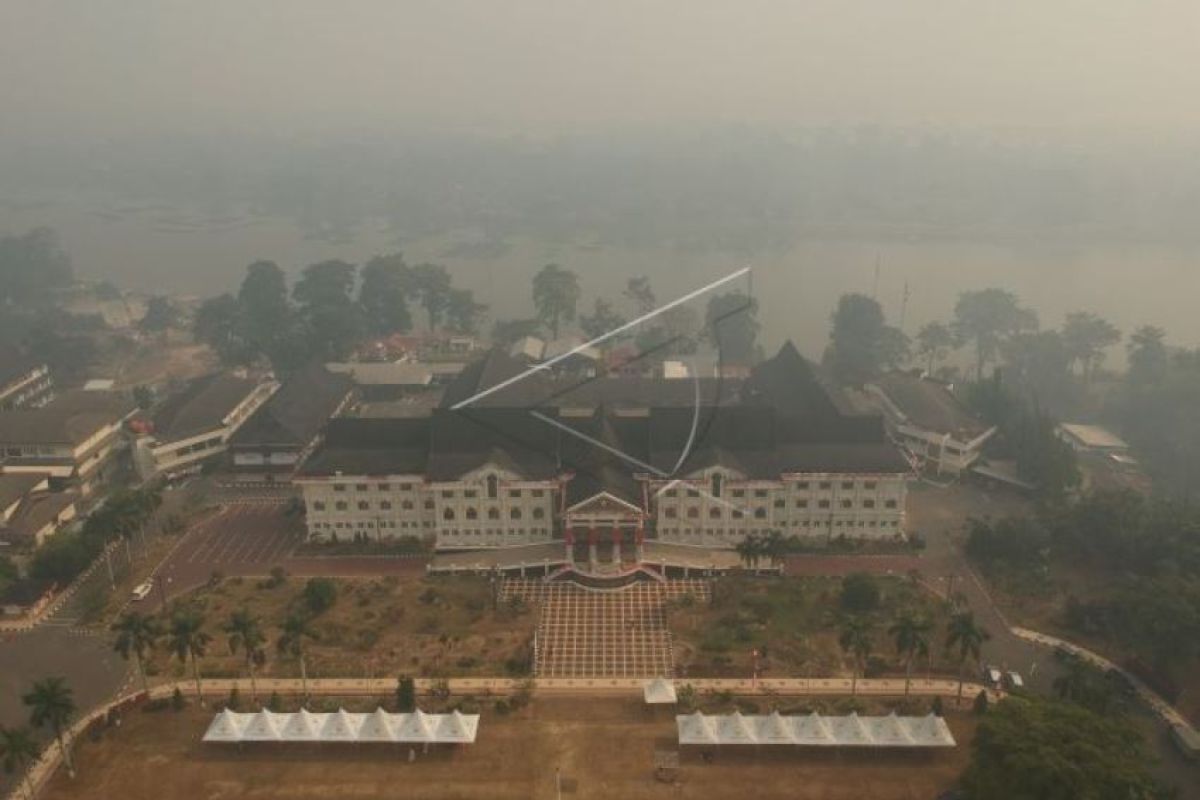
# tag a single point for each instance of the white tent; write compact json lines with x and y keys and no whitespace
{"x":735,"y":729}
{"x":225,"y":727}
{"x":811,"y":730}
{"x":696,"y":729}
{"x":773,"y":729}
{"x":814,"y":730}
{"x":659,"y":691}
{"x":415,"y":727}
{"x":378,"y":727}
{"x":303,"y":726}
{"x":341,"y":726}
{"x":262,"y":727}
{"x":456,"y":727}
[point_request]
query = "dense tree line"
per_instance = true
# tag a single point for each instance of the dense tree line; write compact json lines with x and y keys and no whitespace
{"x":1146,"y":553}
{"x":124,"y":514}
{"x":331,"y":307}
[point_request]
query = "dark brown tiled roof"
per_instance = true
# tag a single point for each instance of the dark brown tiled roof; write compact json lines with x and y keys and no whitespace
{"x":295,"y":414}
{"x":201,"y":405}
{"x":16,"y":485}
{"x":930,"y":405}
{"x":48,"y":425}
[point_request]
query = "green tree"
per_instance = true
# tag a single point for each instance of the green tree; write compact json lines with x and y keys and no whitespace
{"x":406,"y":694}
{"x":555,"y":296}
{"x":218,"y":324}
{"x":383,"y":295}
{"x":987,"y":318}
{"x":856,"y":640}
{"x":246,"y":635}
{"x":732,"y":324}
{"x":188,"y":640}
{"x":51,"y":704}
{"x":463,"y":314}
{"x":861,"y":343}
{"x":137,"y":636}
{"x":1148,"y":357}
{"x":320,"y":594}
{"x":640,"y":295}
{"x":429,"y":287}
{"x":911,"y":636}
{"x":267,"y":320}
{"x":18,"y":751}
{"x":860,"y":593}
{"x":30,"y":266}
{"x":934,"y":341}
{"x":1086,"y":336}
{"x":967,"y":636}
{"x":160,"y":314}
{"x":603,"y":319}
{"x":1028,"y":747}
{"x":297,"y":631}
{"x":332,"y":319}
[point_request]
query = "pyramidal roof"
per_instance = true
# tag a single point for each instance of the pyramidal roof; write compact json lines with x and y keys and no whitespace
{"x":415,"y":727}
{"x":377,"y":727}
{"x":261,"y":727}
{"x":225,"y":727}
{"x":303,"y":726}
{"x":341,"y":726}
{"x":734,"y":729}
{"x":454,"y":727}
{"x":773,"y":729}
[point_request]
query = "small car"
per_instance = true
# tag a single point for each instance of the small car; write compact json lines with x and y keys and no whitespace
{"x":1013,"y":681}
{"x":992,"y":675}
{"x":143,"y":589}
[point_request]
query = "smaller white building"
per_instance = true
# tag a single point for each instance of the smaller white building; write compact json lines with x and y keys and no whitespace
{"x":1091,"y":438}
{"x":924,"y":416}
{"x":195,"y":424}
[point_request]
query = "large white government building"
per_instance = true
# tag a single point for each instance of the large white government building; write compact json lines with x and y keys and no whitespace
{"x":615,"y":460}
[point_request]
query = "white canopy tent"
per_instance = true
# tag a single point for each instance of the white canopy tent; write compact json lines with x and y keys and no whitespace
{"x":344,"y":726}
{"x":659,"y":691}
{"x":813,"y":730}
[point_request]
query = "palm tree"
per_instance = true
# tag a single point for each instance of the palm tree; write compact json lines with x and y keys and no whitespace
{"x":245,"y":634}
{"x":137,"y":636}
{"x":51,"y":703}
{"x":296,"y":629}
{"x":188,"y":640}
{"x":968,"y":636}
{"x":18,"y":749}
{"x":911,"y":635}
{"x":855,"y":641}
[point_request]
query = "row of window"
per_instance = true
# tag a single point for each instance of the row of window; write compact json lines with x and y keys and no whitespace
{"x":723,"y":532}
{"x":360,"y":525}
{"x":762,"y":493}
{"x":366,"y":487}
{"x":448,"y":494}
{"x":492,"y":513}
{"x":717,"y":512}
{"x":494,"y":532}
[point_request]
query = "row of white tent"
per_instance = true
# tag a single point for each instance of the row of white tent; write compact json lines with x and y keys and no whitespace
{"x":343,"y":726}
{"x":814,"y":730}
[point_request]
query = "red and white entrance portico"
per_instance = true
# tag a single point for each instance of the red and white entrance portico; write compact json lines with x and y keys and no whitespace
{"x":598,"y":520}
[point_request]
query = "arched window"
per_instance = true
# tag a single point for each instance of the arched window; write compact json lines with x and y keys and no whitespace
{"x":448,"y":513}
{"x":714,"y":513}
{"x":514,"y":513}
{"x":716,"y":484}
{"x":472,"y":513}
{"x":760,"y":513}
{"x":538,"y":513}
{"x":493,"y":485}
{"x":493,"y":513}
{"x":693,"y":513}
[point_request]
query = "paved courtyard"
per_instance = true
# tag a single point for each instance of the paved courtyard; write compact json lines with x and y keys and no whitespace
{"x":585,"y":633}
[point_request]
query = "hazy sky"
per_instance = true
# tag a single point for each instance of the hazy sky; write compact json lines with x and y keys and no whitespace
{"x":112,"y":67}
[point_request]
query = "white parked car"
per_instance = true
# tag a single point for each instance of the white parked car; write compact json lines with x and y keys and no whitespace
{"x":143,"y":589}
{"x":992,"y":675}
{"x":1013,"y":681}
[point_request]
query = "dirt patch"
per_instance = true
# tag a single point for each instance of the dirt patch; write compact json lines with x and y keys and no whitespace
{"x":604,"y":749}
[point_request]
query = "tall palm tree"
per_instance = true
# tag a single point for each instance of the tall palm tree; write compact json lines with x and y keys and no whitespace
{"x":188,"y":640}
{"x":18,"y":749}
{"x":911,"y":635}
{"x":964,"y":633}
{"x":137,"y":636}
{"x":297,"y":629}
{"x":52,"y":704}
{"x":855,"y":641}
{"x":245,"y":634}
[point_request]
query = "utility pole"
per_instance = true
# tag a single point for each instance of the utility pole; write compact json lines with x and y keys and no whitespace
{"x":904,"y":305}
{"x":112,"y":580}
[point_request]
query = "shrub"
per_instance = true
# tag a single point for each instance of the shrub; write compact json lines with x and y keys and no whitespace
{"x":406,"y":694}
{"x":177,"y":701}
{"x":936,"y":707}
{"x":320,"y":594}
{"x":275,"y":702}
{"x":502,"y":707}
{"x":860,"y":593}
{"x":981,"y":702}
{"x":235,"y":699}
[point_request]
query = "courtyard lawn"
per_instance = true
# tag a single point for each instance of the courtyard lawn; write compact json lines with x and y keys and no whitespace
{"x":376,"y":627}
{"x":794,"y":623}
{"x":604,"y":748}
